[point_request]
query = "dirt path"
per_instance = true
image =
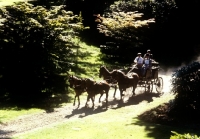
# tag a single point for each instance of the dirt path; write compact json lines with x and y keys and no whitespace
{"x":35,"y":121}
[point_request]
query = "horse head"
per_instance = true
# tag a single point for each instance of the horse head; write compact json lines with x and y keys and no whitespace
{"x":71,"y":83}
{"x":103,"y":71}
{"x":73,"y":80}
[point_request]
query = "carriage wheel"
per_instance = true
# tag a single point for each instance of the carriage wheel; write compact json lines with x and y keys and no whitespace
{"x":159,"y":84}
{"x":148,"y":86}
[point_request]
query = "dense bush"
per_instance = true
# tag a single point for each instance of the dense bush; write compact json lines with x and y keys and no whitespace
{"x":36,"y":47}
{"x":186,"y":86}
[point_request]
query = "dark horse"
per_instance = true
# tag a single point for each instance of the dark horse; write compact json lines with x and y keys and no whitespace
{"x":103,"y":72}
{"x":76,"y":84}
{"x":93,"y":88}
{"x":125,"y":81}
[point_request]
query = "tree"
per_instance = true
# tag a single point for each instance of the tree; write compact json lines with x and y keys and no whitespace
{"x":36,"y":46}
{"x":125,"y":30}
{"x":154,"y":36}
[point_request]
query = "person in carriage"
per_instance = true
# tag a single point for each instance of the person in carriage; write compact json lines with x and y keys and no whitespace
{"x":141,"y":64}
{"x":138,"y":63}
{"x":153,"y":62}
{"x":147,"y":64}
{"x":148,"y":52}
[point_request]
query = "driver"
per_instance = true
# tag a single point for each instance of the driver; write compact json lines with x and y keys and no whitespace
{"x":138,"y":61}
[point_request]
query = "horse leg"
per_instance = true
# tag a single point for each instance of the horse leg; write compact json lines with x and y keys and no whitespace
{"x":92,"y":102}
{"x":100,"y":97}
{"x":133,"y":92}
{"x":74,"y":100}
{"x":107,"y":99}
{"x":78,"y":101}
{"x":134,"y":87}
{"x":115,"y":87}
{"x":121,"y":93}
{"x":88,"y":97}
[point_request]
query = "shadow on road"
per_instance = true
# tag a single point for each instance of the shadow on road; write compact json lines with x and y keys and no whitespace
{"x":134,"y":100}
{"x":85,"y":111}
{"x":4,"y":134}
{"x":113,"y":103}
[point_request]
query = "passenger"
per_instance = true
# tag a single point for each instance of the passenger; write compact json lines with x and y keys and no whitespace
{"x":148,"y":52}
{"x":147,"y":64}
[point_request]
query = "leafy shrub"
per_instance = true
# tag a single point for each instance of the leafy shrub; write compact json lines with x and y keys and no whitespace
{"x":183,"y":136}
{"x":186,"y":86}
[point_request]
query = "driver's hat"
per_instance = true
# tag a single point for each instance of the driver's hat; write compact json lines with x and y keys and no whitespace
{"x":138,"y":53}
{"x":148,"y":50}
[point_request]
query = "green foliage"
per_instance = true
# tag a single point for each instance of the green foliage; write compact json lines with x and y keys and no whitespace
{"x":122,"y":26}
{"x":87,"y":61}
{"x":185,"y":82}
{"x":36,"y":46}
{"x":125,"y":29}
{"x":183,"y":136}
{"x":133,"y":26}
{"x":127,"y":25}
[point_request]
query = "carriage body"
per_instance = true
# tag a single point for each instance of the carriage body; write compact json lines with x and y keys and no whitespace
{"x":151,"y":79}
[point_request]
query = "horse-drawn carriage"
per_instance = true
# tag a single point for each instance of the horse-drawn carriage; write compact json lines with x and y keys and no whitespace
{"x":123,"y":79}
{"x":150,"y":79}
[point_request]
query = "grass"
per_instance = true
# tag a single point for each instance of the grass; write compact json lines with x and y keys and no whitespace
{"x":120,"y":122}
{"x":88,"y":61}
{"x":91,"y":128}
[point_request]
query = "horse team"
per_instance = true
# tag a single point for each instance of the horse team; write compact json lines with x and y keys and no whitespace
{"x":110,"y":79}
